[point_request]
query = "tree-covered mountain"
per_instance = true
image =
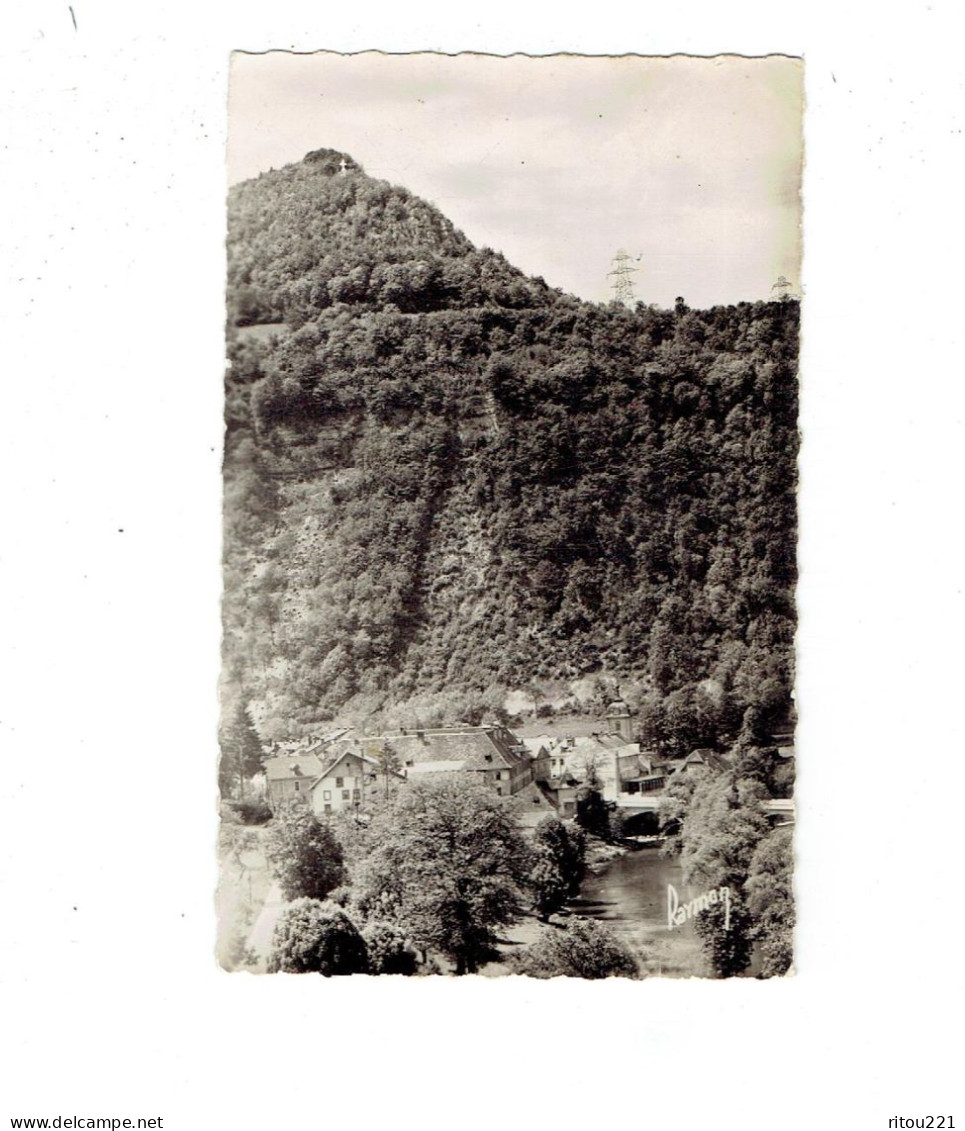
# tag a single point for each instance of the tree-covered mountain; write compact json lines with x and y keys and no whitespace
{"x":445,"y":481}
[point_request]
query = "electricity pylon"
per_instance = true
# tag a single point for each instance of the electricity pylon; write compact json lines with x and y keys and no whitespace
{"x":623,"y":285}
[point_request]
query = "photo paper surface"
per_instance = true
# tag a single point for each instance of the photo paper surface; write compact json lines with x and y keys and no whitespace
{"x":510,"y":515}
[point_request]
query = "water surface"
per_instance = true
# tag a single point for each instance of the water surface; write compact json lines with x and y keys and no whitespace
{"x":630,"y":895}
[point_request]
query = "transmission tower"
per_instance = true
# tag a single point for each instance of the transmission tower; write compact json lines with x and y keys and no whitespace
{"x":623,"y":284}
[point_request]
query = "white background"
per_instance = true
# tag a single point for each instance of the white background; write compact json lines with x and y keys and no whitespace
{"x":111,"y":266}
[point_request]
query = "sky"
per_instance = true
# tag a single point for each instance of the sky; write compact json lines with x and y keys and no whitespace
{"x":691,"y":165}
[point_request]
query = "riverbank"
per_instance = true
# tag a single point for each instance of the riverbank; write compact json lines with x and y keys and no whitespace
{"x":599,"y":853}
{"x":627,"y":890}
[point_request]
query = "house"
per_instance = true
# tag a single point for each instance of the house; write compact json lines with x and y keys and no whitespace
{"x":328,"y":777}
{"x":642,"y":774}
{"x":607,"y":755}
{"x":539,"y":751}
{"x":290,"y":777}
{"x":565,"y":795}
{"x":704,"y":757}
{"x":494,"y":753}
{"x":343,"y":783}
{"x":608,"y":758}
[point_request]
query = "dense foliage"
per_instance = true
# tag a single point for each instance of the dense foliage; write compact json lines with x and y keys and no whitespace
{"x":445,"y":480}
{"x":580,"y":948}
{"x":316,"y":937}
{"x":724,"y":824}
{"x":559,"y":853}
{"x":429,"y":877}
{"x":717,"y":825}
{"x":447,"y":865}
{"x":388,"y":949}
{"x":306,"y":859}
{"x":770,"y":901}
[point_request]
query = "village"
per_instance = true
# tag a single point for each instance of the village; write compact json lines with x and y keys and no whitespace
{"x":344,"y":775}
{"x":543,"y":774}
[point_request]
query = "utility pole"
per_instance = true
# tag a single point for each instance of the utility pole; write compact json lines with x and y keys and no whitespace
{"x":623,"y":284}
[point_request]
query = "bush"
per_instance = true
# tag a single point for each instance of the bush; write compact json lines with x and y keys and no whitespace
{"x":583,"y":948}
{"x":389,"y":952}
{"x":254,"y":811}
{"x":316,"y":937}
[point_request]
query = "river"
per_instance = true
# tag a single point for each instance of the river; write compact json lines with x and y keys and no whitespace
{"x":629,"y":893}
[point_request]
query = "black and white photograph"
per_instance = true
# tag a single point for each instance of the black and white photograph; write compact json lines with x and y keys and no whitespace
{"x":510,"y":515}
{"x":479,"y":510}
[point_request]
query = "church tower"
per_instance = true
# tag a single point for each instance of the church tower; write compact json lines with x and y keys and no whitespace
{"x":618,"y":720}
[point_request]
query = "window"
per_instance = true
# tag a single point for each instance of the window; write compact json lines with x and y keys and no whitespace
{"x":499,"y":790}
{"x":328,"y":808}
{"x":298,"y":786}
{"x":356,"y":794}
{"x":339,"y":782}
{"x":344,"y":794}
{"x":326,"y":795}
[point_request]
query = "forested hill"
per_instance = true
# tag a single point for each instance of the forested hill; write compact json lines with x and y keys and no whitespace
{"x":445,"y":481}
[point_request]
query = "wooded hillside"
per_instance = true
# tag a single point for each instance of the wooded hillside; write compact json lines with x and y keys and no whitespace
{"x":445,"y":480}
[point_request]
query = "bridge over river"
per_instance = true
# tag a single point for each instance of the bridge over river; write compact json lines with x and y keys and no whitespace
{"x":779,"y":809}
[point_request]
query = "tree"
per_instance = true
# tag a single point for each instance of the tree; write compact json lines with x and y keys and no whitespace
{"x":583,"y":948}
{"x":673,"y":807}
{"x":770,"y":901}
{"x":723,"y":826}
{"x":546,"y":880}
{"x":305,"y":856}
{"x":316,"y":937}
{"x":242,"y":755}
{"x":592,"y":812}
{"x":567,"y":845}
{"x":449,"y":867}
{"x":389,"y":763}
{"x":591,"y":769}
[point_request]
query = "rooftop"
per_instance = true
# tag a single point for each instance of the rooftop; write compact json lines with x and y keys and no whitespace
{"x":437,"y":767}
{"x":531,"y":805}
{"x":476,"y":748}
{"x":291,"y":767}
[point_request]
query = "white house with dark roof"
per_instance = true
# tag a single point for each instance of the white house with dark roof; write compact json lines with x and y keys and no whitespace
{"x":344,"y":782}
